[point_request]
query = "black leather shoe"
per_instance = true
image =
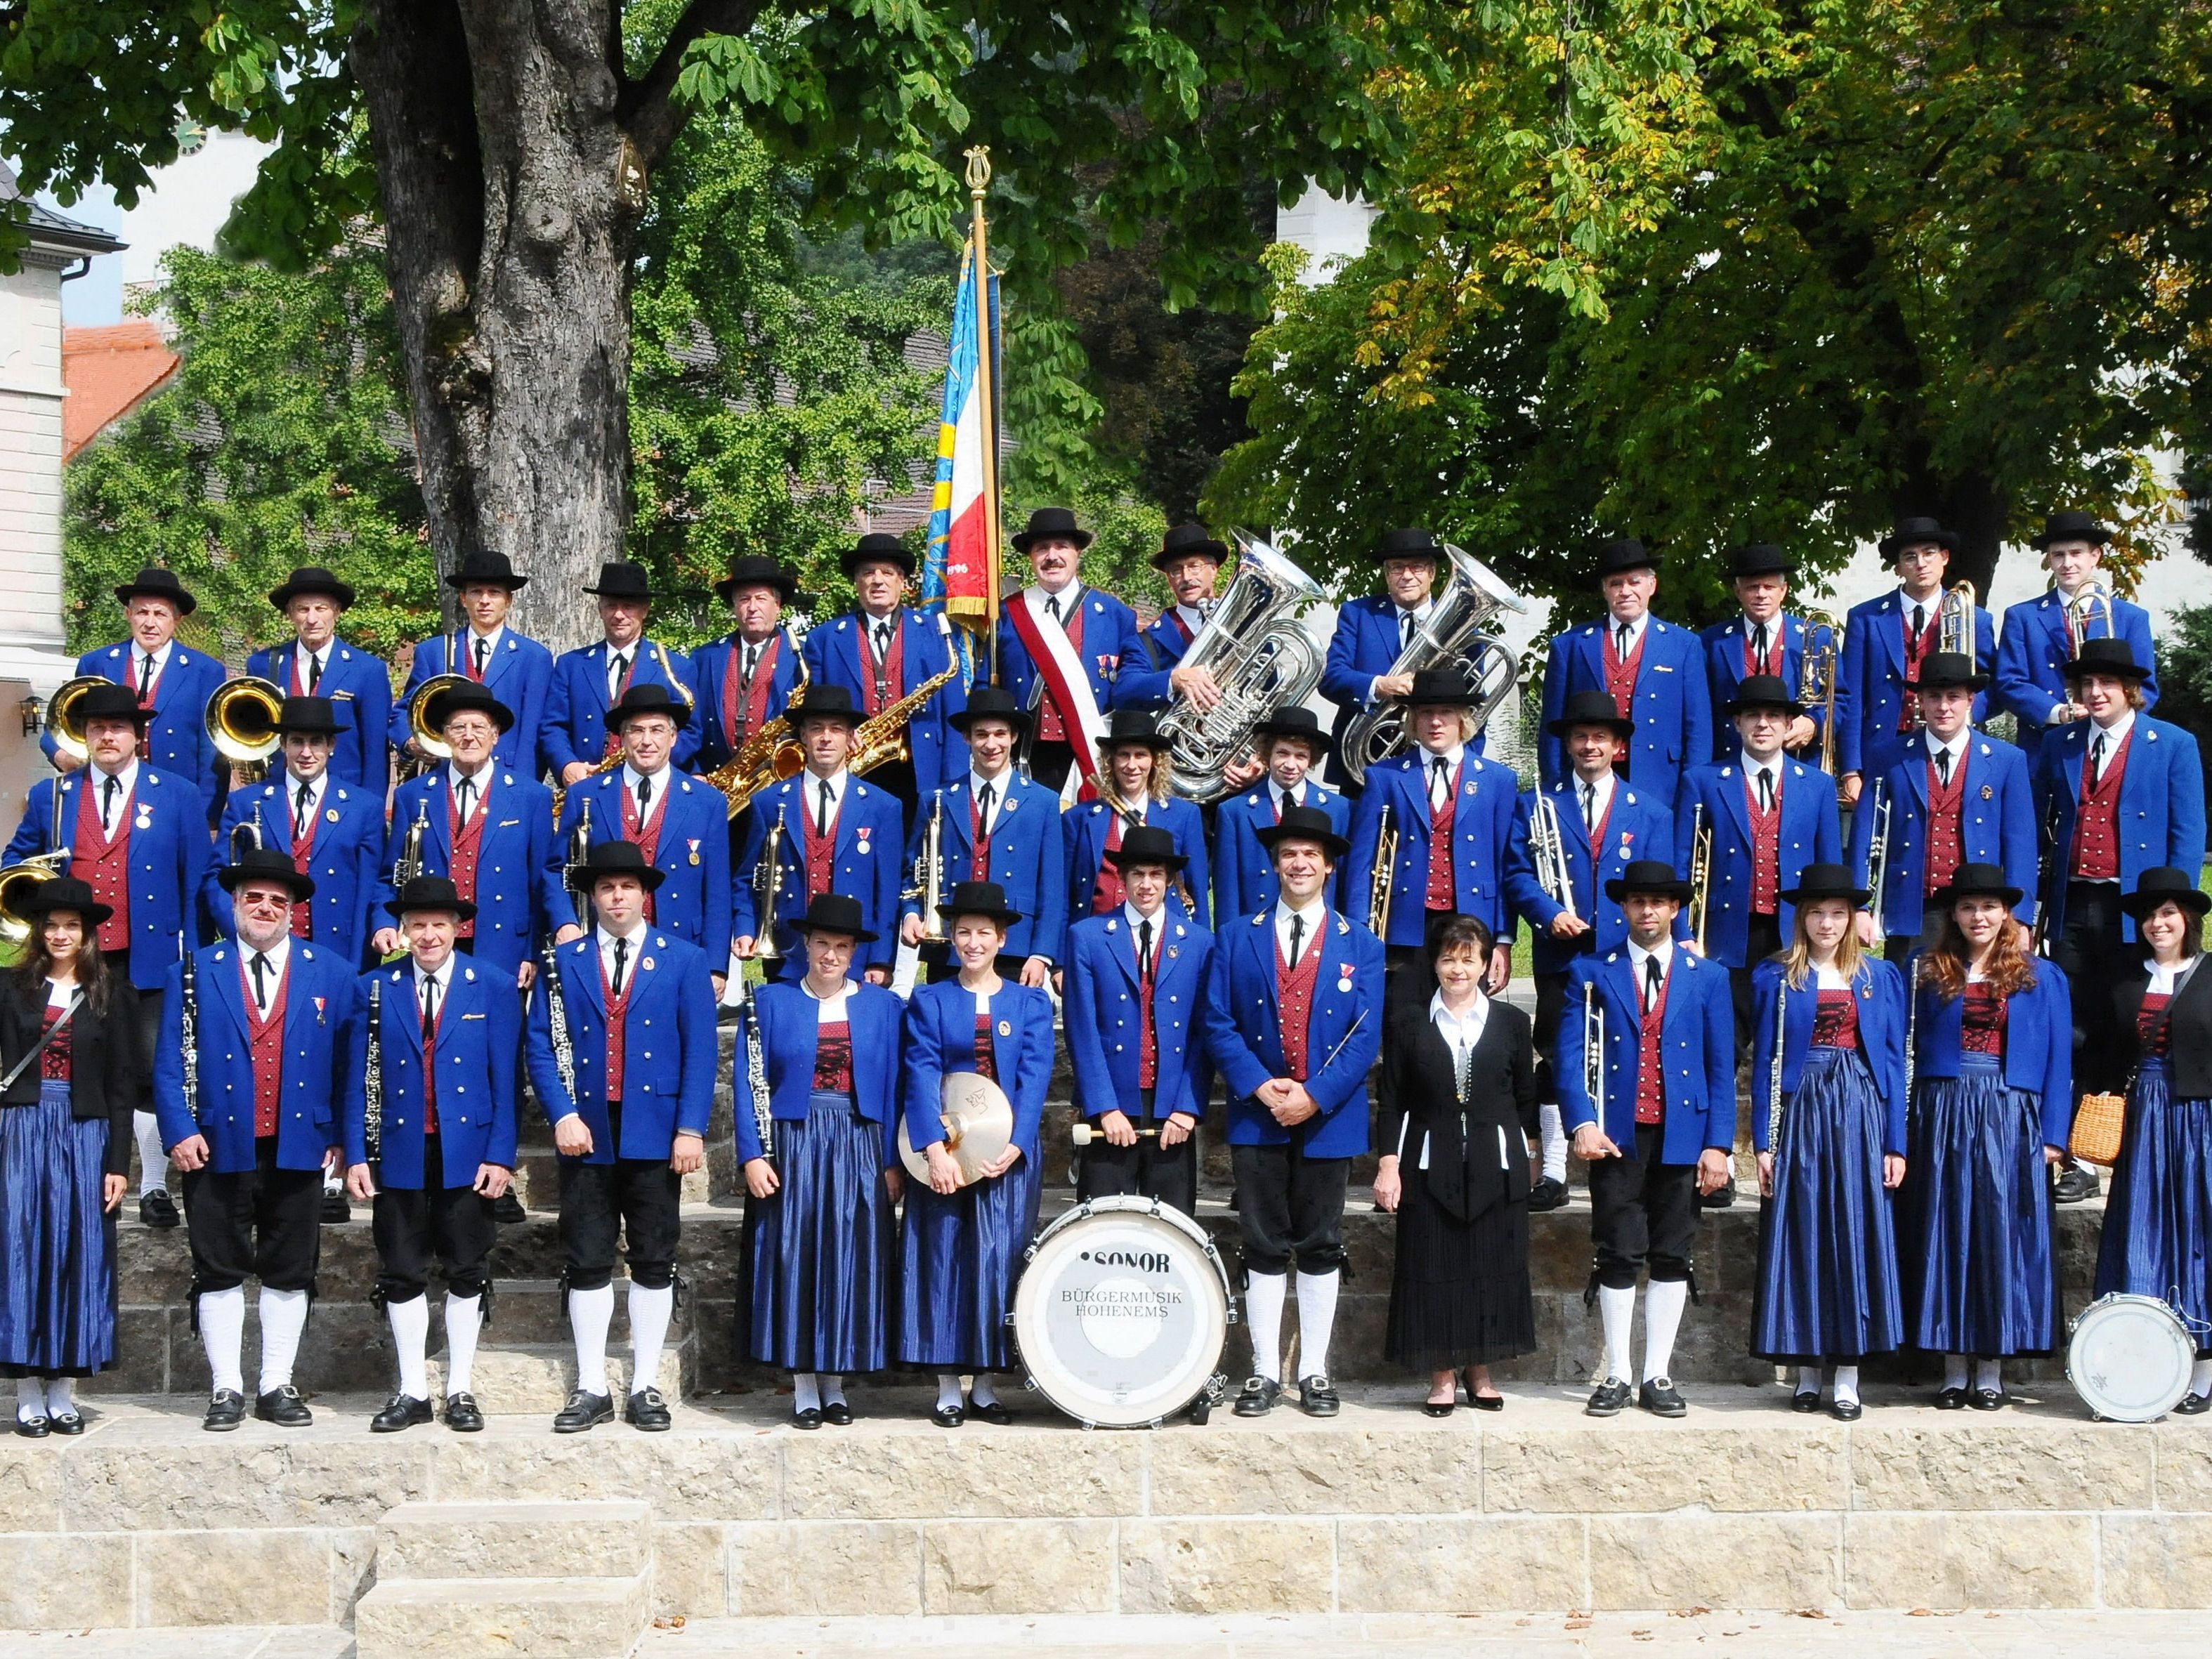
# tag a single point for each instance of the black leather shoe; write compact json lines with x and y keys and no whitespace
{"x":1807,"y":1403}
{"x":1548,"y":1194}
{"x":1486,"y":1402}
{"x":157,"y":1209}
{"x":1259,"y":1396}
{"x":506,"y":1209}
{"x":1317,"y":1396}
{"x":1951,"y":1400}
{"x":283,"y":1407}
{"x":462,"y":1414}
{"x":68,"y":1423}
{"x":995,"y":1413}
{"x":647,"y":1409}
{"x":809,"y":1418}
{"x":1845,"y":1411}
{"x":584,"y":1411}
{"x":1439,"y":1408}
{"x":226,"y":1411}
{"x":1986,"y":1399}
{"x":1658,"y":1397}
{"x":1608,"y":1399}
{"x":2076,"y":1182}
{"x":334,"y":1210}
{"x":400,"y":1412}
{"x":2193,"y":1405}
{"x":1722,"y":1200}
{"x":837,"y":1413}
{"x":948,"y":1416}
{"x":34,"y":1428}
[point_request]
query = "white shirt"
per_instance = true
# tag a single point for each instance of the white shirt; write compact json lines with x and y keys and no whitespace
{"x":2114,"y":735}
{"x":469,"y":638}
{"x":977,"y":783}
{"x":309,"y":666}
{"x":1191,"y":618}
{"x":1599,"y":802}
{"x":1314,"y":915}
{"x":479,"y":782}
{"x":830,"y":1009}
{"x":1638,"y":956}
{"x":138,"y":660}
{"x":1956,"y":748}
{"x":810,"y":794}
{"x":1461,"y":1032}
{"x":1752,"y":771}
{"x":1613,"y":627}
{"x":2165,"y":978}
{"x":442,"y":975}
{"x":621,"y":659}
{"x":1905,"y":602}
{"x":1774,"y":629}
{"x":636,"y":938}
{"x":1829,"y":978}
{"x":59,"y":995}
{"x":1451,"y":759}
{"x":1280,"y":797}
{"x":277,"y":955}
{"x":1137,"y":919}
{"x":294,"y":813}
{"x":1069,"y":599}
{"x":632,"y":777}
{"x":126,"y":781}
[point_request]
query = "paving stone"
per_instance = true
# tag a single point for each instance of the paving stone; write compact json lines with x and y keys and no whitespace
{"x":1435,"y":1564}
{"x":826,"y":1568}
{"x":1248,"y":1566}
{"x":1900,"y":1558}
{"x":1247,"y":1469}
{"x":1636,"y":1464}
{"x":1017,"y":1567}
{"x":518,"y":1618}
{"x":49,"y":1581}
{"x":1025,"y":1471}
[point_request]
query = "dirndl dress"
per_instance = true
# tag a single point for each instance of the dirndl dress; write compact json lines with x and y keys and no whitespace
{"x":821,"y":1255}
{"x":1828,"y":1287}
{"x":1983,"y":1275}
{"x":960,"y":1257}
{"x":2158,"y":1215}
{"x":57,"y":1242}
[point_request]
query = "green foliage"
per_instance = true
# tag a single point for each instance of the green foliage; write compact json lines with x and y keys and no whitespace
{"x":280,"y":442}
{"x":2184,"y":675}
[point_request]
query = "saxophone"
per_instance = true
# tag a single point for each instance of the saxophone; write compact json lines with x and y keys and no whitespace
{"x":766,"y":756}
{"x":557,"y":1022}
{"x":371,"y":1116}
{"x":881,"y":739}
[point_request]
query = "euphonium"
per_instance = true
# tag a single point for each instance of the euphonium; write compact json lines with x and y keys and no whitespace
{"x":1260,"y":656}
{"x":1452,"y":636}
{"x":431,"y":749}
{"x":61,"y":716}
{"x":1954,"y":621}
{"x":241,"y":723}
{"x":769,"y":755}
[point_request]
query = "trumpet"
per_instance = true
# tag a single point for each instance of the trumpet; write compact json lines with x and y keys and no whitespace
{"x":1701,"y":872}
{"x":2081,"y":611}
{"x":1954,"y":621}
{"x":247,"y":835}
{"x":241,"y":723}
{"x":1549,"y":849}
{"x":768,"y":892}
{"x":61,"y":716}
{"x":431,"y":749}
{"x":1816,"y":683}
{"x":1878,"y":855}
{"x":1386,"y":868}
{"x":1593,"y":1050}
{"x":409,"y":864}
{"x":928,"y":887}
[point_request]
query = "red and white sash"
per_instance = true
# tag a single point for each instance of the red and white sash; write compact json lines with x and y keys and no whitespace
{"x":1069,"y":687}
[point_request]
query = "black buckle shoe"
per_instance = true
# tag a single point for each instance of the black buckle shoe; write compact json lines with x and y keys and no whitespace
{"x":284,"y":1406}
{"x":69,"y":1422}
{"x":462,"y":1415}
{"x":810,"y":1419}
{"x":400,"y":1412}
{"x":1987,"y":1400}
{"x":2076,"y":1183}
{"x":1317,"y":1396}
{"x":506,"y":1209}
{"x":157,"y":1209}
{"x":1608,"y":1399}
{"x":1950,"y":1400}
{"x":2193,"y":1405}
{"x":1547,"y":1194}
{"x":995,"y":1413}
{"x":1259,"y":1396}
{"x":226,"y":1411}
{"x":1845,"y":1411}
{"x":334,"y":1210}
{"x":1807,"y":1403}
{"x":584,"y":1411}
{"x":838,"y":1412}
{"x":948,"y":1416}
{"x":647,"y":1410}
{"x":1659,"y":1398}
{"x":34,"y":1428}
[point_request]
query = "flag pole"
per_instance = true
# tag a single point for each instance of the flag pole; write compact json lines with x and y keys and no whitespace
{"x":979,"y":180}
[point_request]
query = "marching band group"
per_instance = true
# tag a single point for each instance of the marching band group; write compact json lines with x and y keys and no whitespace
{"x":1782,"y":843}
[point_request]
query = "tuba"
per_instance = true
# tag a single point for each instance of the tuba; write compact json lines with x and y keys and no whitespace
{"x":1452,"y":635}
{"x":18,"y":880}
{"x":241,"y":723}
{"x":1260,"y":656}
{"x":61,"y":716}
{"x":431,"y":749}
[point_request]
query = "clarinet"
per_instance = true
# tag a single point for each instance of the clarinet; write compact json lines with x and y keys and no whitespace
{"x":372,"y":1118}
{"x":1774,"y":1081}
{"x":756,"y":1078}
{"x":188,"y":1029}
{"x":556,"y":1021}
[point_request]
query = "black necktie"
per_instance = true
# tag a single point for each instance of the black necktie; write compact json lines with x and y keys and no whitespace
{"x":752,"y":665}
{"x":883,"y":640}
{"x":1651,"y":983}
{"x":1919,"y":625}
{"x":314,"y":672}
{"x":299,"y":811}
{"x":822,"y":812}
{"x":1943,"y":768}
{"x":1439,"y":782}
{"x":465,"y":798}
{"x":1052,"y":607}
{"x":621,"y":955}
{"x":107,"y":803}
{"x":145,"y":677}
{"x":1759,"y":646}
{"x":1298,"y":936}
{"x":483,"y":650}
{"x":618,"y":667}
{"x":1405,"y":629}
{"x":1145,"y":952}
{"x":260,"y":966}
{"x":644,"y":797}
{"x":1589,"y":807}
{"x":1766,"y":791}
{"x":985,"y":799}
{"x":429,"y":1009}
{"x":2096,"y":765}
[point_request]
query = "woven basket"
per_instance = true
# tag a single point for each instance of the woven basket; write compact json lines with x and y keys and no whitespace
{"x":2097,"y":1128}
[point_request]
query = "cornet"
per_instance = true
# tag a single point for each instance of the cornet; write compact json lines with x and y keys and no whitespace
{"x":1386,"y":870}
{"x":1701,"y":872}
{"x":1548,"y":847}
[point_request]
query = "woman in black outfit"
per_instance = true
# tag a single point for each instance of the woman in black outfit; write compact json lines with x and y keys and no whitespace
{"x":65,"y":1137}
{"x":1459,"y":1104}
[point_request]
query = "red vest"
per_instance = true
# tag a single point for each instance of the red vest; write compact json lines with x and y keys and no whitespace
{"x":880,"y":686}
{"x":54,"y":1062}
{"x":104,"y":866}
{"x":265,"y":1043}
{"x":1765,"y":845}
{"x":150,"y":699}
{"x":1770,"y":664}
{"x":647,"y":836}
{"x":1294,"y":992}
{"x":1982,"y":1021}
{"x":1148,"y":1045}
{"x":978,"y":840}
{"x":430,"y":1057}
{"x":1052,"y":722}
{"x":617,"y":1010}
{"x":745,"y":705}
{"x":1441,"y":894}
{"x":1106,"y":896}
{"x":986,"y":1055}
{"x":303,"y":853}
{"x":821,"y":849}
{"x":2097,"y":816}
{"x":1620,"y":676}
{"x":1908,"y":705}
{"x":1650,"y":1059}
{"x":1945,"y":835}
{"x":467,"y":843}
{"x":2156,"y":1035}
{"x":465,"y":644}
{"x":1835,"y":1020}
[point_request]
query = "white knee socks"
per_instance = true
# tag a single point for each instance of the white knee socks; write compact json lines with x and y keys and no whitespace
{"x":1663,"y":1302}
{"x":1847,"y":1385}
{"x":464,"y":1319}
{"x":1808,"y":1380}
{"x":1316,"y":1319}
{"x":1989,"y":1374}
{"x":1617,"y":1312}
{"x":590,"y":1314}
{"x":833,"y":1387}
{"x":650,"y":1311}
{"x":61,"y":1396}
{"x":981,"y":1393}
{"x":2200,"y":1378}
{"x":806,"y":1393}
{"x":223,"y":1335}
{"x":30,"y":1398}
{"x":411,"y":1343}
{"x":153,"y":1161}
{"x":283,"y":1316}
{"x":948,"y":1389}
{"x":1552,"y":1137}
{"x":1263,"y":1317}
{"x":1954,"y":1370}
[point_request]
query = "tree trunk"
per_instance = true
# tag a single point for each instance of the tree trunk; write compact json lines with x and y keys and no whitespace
{"x":1970,"y":505}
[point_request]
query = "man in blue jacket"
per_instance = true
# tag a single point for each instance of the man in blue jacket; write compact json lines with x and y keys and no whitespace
{"x":443,"y":1035}
{"x":1290,"y":746}
{"x":589,"y":680}
{"x":173,"y":685}
{"x":248,"y":1111}
{"x":316,"y":663}
{"x":1293,"y":1020}
{"x":1652,"y":1108}
{"x":745,"y":678}
{"x":629,"y":1103}
{"x":2040,"y":633}
{"x":1375,"y":629}
{"x":516,"y":670}
{"x":1760,"y":639}
{"x":138,"y":835}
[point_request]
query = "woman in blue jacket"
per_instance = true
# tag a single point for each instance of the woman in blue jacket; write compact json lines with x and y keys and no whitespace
{"x":1829,"y":1131}
{"x":1991,"y":1106}
{"x":819,"y":1248}
{"x":961,"y":1247}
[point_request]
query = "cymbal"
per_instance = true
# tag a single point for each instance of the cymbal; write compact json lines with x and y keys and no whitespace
{"x":978,"y":1122}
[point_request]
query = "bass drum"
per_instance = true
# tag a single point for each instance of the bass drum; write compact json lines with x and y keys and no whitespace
{"x":1122,"y":1313}
{"x":2129,"y":1357}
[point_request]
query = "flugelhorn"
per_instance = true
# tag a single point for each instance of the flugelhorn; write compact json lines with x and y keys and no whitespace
{"x":241,"y":723}
{"x":1954,"y":621}
{"x":1878,"y":803}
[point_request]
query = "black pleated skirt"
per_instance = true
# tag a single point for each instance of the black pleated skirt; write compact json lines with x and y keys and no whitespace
{"x":1459,"y":1290}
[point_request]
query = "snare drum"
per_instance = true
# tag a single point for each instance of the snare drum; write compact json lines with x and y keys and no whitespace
{"x":2129,"y":1358}
{"x":1123,"y":1312}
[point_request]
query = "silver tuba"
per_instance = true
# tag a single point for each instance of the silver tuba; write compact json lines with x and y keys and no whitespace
{"x":1452,"y":635}
{"x":1262,"y":658}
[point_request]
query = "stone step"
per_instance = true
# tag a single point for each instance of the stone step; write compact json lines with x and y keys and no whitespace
{"x":535,"y":1379}
{"x":573,"y":1540}
{"x":517,"y":1617}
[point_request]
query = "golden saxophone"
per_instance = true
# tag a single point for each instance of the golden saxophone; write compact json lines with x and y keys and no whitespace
{"x":881,"y":739}
{"x":769,"y":755}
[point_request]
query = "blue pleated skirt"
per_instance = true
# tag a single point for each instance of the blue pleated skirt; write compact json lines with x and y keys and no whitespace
{"x":822,"y":1252}
{"x":1982,"y":1277}
{"x":1827,"y":1239}
{"x":2158,"y":1216}
{"x":57,"y":1245}
{"x":959,"y":1257}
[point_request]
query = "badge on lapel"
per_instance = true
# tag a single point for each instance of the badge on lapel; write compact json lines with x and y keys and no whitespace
{"x":644,"y":962}
{"x":331,"y":814}
{"x":1006,"y":1028}
{"x":1987,"y":793}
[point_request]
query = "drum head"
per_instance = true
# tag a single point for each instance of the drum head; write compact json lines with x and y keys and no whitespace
{"x":2129,"y":1358}
{"x":1121,"y":1314}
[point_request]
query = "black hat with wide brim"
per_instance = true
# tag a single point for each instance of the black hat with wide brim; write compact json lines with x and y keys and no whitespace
{"x":1816,"y":881}
{"x":265,"y":864}
{"x":1977,"y":881}
{"x":990,"y":703}
{"x":1051,"y":524}
{"x":1950,"y":671}
{"x":1591,"y":708}
{"x":2071,"y":526}
{"x":310,"y":717}
{"x":109,"y":702}
{"x":1763,"y":691}
{"x":155,"y":582}
{"x":1292,"y":720}
{"x":621,"y":580}
{"x":61,"y":893}
{"x":1185,"y":540}
{"x":1303,"y":823}
{"x":1654,"y":876}
{"x":979,"y":898}
{"x":1912,"y":532}
{"x":875,"y":548}
{"x":485,"y":569}
{"x":431,"y":893}
{"x":469,"y":699}
{"x":312,"y":578}
{"x":2115,"y":658}
{"x":646,"y":697}
{"x":835,"y":912}
{"x":1760,"y":559}
{"x":1621,"y":554}
{"x":2162,"y":886}
{"x":1412,"y":542}
{"x":1147,"y":844}
{"x":616,"y":858}
{"x":757,"y":571}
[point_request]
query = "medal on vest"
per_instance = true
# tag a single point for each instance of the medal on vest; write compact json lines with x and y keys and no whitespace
{"x":695,"y":852}
{"x":1987,"y":793}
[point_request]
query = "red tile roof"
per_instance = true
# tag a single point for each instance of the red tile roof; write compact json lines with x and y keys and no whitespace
{"x":108,"y":371}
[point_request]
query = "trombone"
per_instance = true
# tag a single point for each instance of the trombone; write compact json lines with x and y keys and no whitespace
{"x":2082,"y":611}
{"x":241,"y":723}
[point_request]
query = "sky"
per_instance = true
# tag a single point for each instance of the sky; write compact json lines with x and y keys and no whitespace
{"x":189,"y":200}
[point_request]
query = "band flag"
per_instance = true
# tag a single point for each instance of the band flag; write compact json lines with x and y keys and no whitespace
{"x":959,"y":575}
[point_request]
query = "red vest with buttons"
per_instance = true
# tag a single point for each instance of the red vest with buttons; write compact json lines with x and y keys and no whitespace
{"x":2097,"y":816}
{"x":265,"y":1045}
{"x":979,"y":838}
{"x":1441,"y":894}
{"x":646,"y":835}
{"x":880,"y":688}
{"x":430,"y":1059}
{"x":1148,"y":1041}
{"x":1294,"y":993}
{"x":103,"y":865}
{"x":1765,"y":845}
{"x":618,"y":1007}
{"x":1770,"y":664}
{"x":1908,"y":704}
{"x":1945,"y":835}
{"x":1651,"y":1061}
{"x":1106,"y":896}
{"x":821,"y":849}
{"x":303,"y":855}
{"x":744,"y":704}
{"x":467,"y":841}
{"x":1621,"y":674}
{"x":1052,"y":722}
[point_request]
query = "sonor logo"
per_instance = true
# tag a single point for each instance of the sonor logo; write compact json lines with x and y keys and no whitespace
{"x":1145,"y":1261}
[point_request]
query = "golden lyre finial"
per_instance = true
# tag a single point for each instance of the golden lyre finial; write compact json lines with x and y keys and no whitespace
{"x":979,"y":171}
